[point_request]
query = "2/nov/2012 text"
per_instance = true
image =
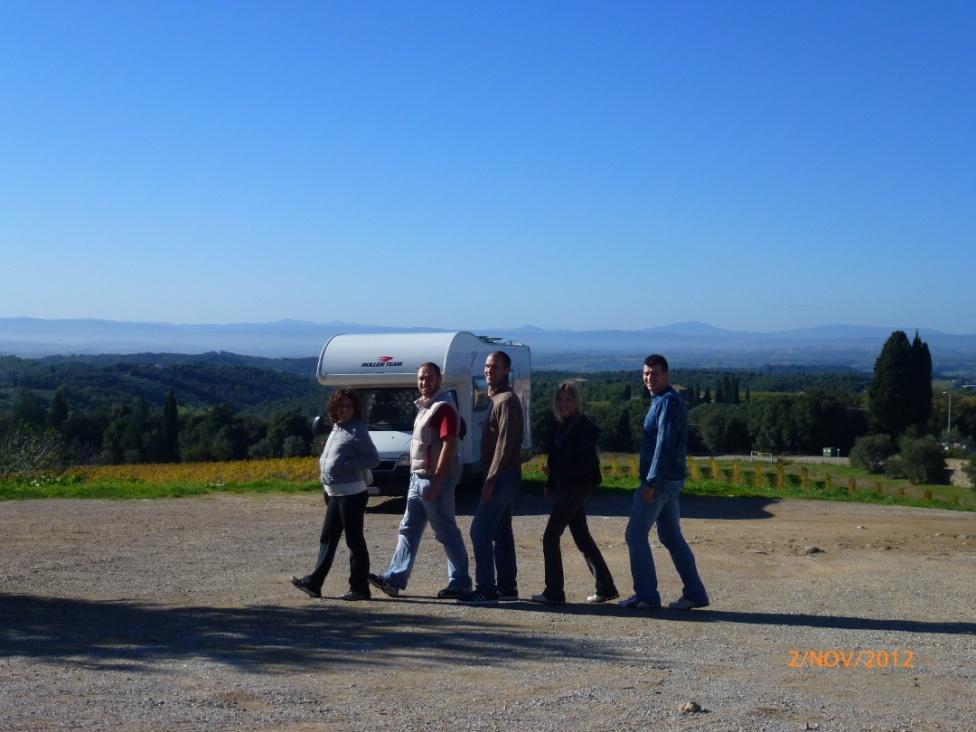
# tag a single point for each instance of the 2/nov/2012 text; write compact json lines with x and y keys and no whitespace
{"x":865,"y":658}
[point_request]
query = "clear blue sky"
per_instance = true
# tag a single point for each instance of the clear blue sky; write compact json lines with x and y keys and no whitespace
{"x":753,"y":165}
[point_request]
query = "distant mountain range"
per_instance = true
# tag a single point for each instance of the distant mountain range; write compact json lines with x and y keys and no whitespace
{"x":693,"y":344}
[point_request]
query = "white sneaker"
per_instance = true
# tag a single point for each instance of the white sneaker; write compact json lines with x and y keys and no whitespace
{"x":598,"y":598}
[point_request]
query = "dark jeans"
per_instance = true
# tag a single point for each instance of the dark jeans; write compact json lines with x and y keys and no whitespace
{"x":492,"y":538}
{"x":344,"y":513}
{"x":568,"y":511}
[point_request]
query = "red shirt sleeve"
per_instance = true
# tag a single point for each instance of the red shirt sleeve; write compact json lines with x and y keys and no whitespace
{"x":444,"y":423}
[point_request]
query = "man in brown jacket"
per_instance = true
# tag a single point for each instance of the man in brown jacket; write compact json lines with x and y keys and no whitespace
{"x":491,"y":529}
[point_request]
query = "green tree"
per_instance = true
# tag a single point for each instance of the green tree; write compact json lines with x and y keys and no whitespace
{"x":57,"y":413}
{"x":871,"y":452}
{"x":892,"y":389}
{"x":921,"y":460}
{"x":169,"y":449}
{"x":920,"y":406}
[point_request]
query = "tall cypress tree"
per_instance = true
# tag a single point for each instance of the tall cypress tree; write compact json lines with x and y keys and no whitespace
{"x":170,"y":451}
{"x":891,"y":391}
{"x":921,"y":382}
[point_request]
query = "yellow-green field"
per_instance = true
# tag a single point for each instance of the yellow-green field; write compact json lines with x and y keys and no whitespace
{"x":706,"y":476}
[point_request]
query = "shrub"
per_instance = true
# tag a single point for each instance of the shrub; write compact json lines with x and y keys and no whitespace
{"x":921,"y":460}
{"x":871,"y":452}
{"x":970,"y":469}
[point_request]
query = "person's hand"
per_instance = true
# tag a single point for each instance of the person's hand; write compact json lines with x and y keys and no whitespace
{"x":647,"y":492}
{"x":545,"y":469}
{"x":433,"y":489}
{"x":487,"y":490}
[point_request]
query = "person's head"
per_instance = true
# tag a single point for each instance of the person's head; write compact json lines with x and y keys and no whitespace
{"x":428,"y":379}
{"x":656,"y":373}
{"x":566,"y":402}
{"x":344,"y":404}
{"x":497,"y":367}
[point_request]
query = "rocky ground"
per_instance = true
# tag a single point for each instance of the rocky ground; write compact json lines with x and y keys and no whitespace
{"x":177,"y":614}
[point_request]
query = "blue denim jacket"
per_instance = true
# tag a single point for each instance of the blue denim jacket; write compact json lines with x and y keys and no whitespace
{"x":664,"y":442}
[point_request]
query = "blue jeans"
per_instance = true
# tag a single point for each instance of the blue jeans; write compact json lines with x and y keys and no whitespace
{"x":440,"y":514}
{"x":492,"y":537}
{"x":664,"y":509}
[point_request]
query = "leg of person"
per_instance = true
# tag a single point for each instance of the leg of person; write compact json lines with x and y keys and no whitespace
{"x":563,"y":508}
{"x":669,"y":532}
{"x":354,"y":516}
{"x":606,"y":589}
{"x":504,"y":538}
{"x":484,"y":527}
{"x":328,"y":543}
{"x":411,"y":532}
{"x":443,"y":521}
{"x":643,"y":514}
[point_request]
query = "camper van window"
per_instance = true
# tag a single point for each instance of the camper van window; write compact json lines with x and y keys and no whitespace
{"x":389,"y":409}
{"x":479,"y":393}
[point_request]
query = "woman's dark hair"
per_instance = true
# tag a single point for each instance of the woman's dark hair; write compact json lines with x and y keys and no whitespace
{"x":333,"y":406}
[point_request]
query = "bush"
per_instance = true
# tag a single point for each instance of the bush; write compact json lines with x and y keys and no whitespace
{"x":871,"y":452}
{"x":921,"y":461}
{"x":970,"y":469}
{"x":26,"y":450}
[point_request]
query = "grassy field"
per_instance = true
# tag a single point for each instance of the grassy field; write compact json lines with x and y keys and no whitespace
{"x":706,"y":477}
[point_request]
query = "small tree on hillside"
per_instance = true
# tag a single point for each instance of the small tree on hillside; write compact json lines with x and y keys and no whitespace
{"x":871,"y":452}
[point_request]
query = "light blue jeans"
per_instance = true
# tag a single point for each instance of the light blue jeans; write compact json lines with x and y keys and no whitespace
{"x":440,"y":514}
{"x":492,"y":538}
{"x":666,"y":511}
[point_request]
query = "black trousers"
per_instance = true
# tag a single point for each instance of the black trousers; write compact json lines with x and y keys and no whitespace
{"x":344,"y":514}
{"x":568,"y":511}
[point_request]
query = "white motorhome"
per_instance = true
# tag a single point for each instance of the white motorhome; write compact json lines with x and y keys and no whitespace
{"x":382,"y":367}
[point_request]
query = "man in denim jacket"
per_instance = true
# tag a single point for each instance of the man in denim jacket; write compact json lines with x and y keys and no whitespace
{"x":663,"y":454}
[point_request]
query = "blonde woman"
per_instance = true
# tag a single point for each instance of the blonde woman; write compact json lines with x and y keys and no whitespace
{"x":573,"y":470}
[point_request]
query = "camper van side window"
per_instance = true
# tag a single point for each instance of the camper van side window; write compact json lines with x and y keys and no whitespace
{"x":479,"y":393}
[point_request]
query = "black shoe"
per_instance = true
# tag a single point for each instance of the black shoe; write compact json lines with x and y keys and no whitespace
{"x":508,"y":595}
{"x":356,"y":595}
{"x":449,"y":593}
{"x":475,"y":597}
{"x":302,"y":584}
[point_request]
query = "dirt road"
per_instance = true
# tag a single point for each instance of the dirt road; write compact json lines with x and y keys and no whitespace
{"x":177,"y":614}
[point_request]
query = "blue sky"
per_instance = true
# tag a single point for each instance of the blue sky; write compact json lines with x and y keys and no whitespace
{"x":753,"y":165}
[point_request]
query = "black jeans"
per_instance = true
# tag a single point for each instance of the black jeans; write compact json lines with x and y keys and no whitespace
{"x":568,"y":511}
{"x":344,"y":513}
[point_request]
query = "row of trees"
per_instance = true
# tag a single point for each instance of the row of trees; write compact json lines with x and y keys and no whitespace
{"x":138,"y":433}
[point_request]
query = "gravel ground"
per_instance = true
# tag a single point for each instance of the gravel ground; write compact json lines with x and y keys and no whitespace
{"x":177,"y":614}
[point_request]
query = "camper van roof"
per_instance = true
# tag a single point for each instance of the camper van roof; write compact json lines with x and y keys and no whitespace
{"x":393,"y":358}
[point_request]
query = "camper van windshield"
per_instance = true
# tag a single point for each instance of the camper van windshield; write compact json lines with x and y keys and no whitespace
{"x":389,"y":409}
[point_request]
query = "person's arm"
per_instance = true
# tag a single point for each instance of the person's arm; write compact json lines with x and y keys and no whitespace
{"x":667,"y":437}
{"x":502,"y":413}
{"x":446,"y":426}
{"x":365,"y":456}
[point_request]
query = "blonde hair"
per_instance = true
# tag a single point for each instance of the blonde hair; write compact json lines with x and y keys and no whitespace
{"x":570,"y":388}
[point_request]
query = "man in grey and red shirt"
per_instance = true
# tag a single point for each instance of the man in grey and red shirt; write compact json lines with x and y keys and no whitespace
{"x":434,"y":472}
{"x":501,"y":459}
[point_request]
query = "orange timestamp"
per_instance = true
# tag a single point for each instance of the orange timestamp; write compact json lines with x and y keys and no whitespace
{"x":864,"y":658}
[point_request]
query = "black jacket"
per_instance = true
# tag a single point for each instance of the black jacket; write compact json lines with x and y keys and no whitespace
{"x":573,"y":460}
